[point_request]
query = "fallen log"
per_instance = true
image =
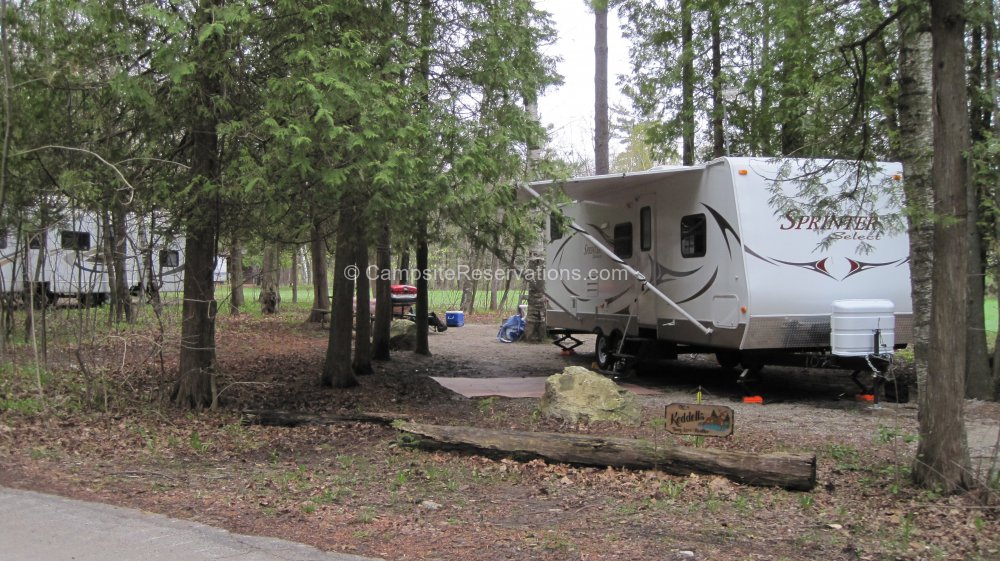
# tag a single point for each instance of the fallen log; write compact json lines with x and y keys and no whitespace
{"x":790,"y":471}
{"x":279,"y":418}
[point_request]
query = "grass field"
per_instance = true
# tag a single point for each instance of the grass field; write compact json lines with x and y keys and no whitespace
{"x":438,"y":300}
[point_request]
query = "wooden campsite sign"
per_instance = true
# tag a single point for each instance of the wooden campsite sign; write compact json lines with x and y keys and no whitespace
{"x":699,"y":420}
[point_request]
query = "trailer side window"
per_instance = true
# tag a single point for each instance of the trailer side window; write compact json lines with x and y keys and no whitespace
{"x":74,"y":240}
{"x":645,"y":228}
{"x":555,"y":227}
{"x":623,"y":240}
{"x":170,"y":258}
{"x":35,"y":241}
{"x":693,"y":238}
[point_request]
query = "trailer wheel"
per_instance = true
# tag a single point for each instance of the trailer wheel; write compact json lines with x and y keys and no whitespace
{"x":603,"y":351}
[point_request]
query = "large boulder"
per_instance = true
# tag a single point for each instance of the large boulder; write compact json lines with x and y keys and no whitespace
{"x":403,"y":335}
{"x":578,"y":394}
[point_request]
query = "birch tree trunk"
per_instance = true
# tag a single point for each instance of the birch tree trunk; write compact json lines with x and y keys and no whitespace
{"x":917,"y":154}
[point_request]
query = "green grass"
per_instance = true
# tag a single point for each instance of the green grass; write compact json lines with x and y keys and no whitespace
{"x":438,"y":300}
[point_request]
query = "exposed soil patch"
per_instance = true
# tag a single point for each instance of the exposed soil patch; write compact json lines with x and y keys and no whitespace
{"x":356,"y":488}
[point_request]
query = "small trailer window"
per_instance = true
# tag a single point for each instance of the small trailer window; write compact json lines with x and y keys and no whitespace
{"x":170,"y":258}
{"x":645,"y":228}
{"x":555,"y":228}
{"x":623,"y":240}
{"x":35,"y":241}
{"x":693,"y":235}
{"x":76,"y":241}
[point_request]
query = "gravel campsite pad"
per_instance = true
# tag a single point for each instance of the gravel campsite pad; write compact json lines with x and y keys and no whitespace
{"x":358,"y":487}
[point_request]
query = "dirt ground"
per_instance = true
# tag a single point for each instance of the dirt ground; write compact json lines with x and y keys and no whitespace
{"x":358,"y":488}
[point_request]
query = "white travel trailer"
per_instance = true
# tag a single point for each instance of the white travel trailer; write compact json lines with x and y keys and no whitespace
{"x":73,"y":264}
{"x":62,"y":260}
{"x":721,"y":259}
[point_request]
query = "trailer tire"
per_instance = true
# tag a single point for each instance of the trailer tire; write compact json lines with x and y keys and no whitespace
{"x":603,"y":351}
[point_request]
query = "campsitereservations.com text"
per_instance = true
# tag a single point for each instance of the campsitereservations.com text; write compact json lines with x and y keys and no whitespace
{"x":464,"y":272}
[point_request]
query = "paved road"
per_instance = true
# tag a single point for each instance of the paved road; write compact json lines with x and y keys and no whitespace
{"x":35,"y":526}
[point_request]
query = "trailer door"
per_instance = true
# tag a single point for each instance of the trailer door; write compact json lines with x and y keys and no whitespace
{"x":646,"y":262}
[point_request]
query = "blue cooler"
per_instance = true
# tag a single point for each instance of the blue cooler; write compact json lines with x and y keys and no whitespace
{"x":454,"y":318}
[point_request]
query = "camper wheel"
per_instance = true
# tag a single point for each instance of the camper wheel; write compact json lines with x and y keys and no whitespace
{"x":604,"y":351}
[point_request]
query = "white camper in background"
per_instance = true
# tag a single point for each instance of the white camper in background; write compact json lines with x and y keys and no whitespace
{"x":719,"y":264}
{"x":64,"y":260}
{"x":73,"y":264}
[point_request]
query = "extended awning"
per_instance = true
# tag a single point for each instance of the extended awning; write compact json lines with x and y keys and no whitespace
{"x":599,"y":186}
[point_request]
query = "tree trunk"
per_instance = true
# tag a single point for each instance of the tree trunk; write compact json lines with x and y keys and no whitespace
{"x":423,"y":328}
{"x":196,"y":365}
{"x":535,"y":327}
{"x":235,"y":268}
{"x":916,"y":152}
{"x":687,"y":85}
{"x":321,"y":290}
{"x":404,"y":266}
{"x":791,"y":471}
{"x":295,"y":274}
{"x":601,"y":130}
{"x":468,"y":283}
{"x":980,"y":382}
{"x":994,"y":102}
{"x":383,"y":296}
{"x":121,"y":300}
{"x":362,"y":363}
{"x":494,"y":283}
{"x":943,"y":455}
{"x":337,"y":370}
{"x":718,"y":107}
{"x":149,"y":285}
{"x":270,"y":279}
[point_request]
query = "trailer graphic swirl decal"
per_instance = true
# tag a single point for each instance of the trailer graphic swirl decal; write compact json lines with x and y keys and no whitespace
{"x":823,"y":265}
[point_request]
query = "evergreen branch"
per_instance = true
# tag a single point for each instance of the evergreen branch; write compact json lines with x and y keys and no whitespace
{"x":875,"y":32}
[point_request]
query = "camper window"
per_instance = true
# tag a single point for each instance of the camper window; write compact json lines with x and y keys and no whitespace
{"x":623,"y":240}
{"x":555,"y":228}
{"x":645,"y":228}
{"x":35,"y":242}
{"x":170,"y":258}
{"x":693,"y":235}
{"x":74,"y":240}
